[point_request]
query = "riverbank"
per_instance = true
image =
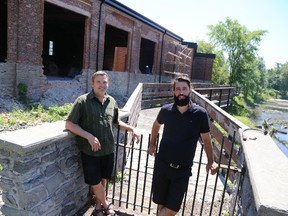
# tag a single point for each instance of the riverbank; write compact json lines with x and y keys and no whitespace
{"x":278,"y":104}
{"x":275,"y":114}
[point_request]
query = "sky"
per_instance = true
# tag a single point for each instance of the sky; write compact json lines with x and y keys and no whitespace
{"x":189,"y":20}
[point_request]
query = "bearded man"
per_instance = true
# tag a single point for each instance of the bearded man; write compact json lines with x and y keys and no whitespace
{"x":184,"y":123}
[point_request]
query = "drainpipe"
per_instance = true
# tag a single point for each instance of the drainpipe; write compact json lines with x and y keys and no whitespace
{"x":16,"y":64}
{"x":161,"y":56}
{"x":98,"y":36}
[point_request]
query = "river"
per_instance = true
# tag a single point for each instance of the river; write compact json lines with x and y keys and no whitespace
{"x":275,"y":112}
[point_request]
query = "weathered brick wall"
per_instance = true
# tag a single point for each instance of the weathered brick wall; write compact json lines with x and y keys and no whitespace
{"x":136,"y":30}
{"x":25,"y":30}
{"x":173,"y":61}
{"x":25,"y":44}
{"x":202,"y":68}
{"x":25,"y":41}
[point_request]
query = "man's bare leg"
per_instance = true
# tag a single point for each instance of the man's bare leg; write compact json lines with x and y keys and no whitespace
{"x":99,"y":191}
{"x":163,"y":211}
{"x":94,"y":188}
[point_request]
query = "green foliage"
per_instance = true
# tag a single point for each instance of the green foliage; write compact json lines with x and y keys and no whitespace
{"x":241,"y":47}
{"x":1,"y":167}
{"x":241,"y":111}
{"x":118,"y":176}
{"x":35,"y":115}
{"x":246,"y":120}
{"x":239,"y":107}
{"x":22,"y":93}
{"x":220,"y":72}
{"x":278,"y":79}
{"x":2,"y":120}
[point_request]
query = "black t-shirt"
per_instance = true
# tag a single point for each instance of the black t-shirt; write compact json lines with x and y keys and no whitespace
{"x":181,"y":133}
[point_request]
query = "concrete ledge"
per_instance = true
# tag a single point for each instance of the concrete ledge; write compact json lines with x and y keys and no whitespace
{"x":26,"y":140}
{"x":267,"y":168}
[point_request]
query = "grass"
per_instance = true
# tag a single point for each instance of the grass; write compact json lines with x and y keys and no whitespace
{"x":246,"y":120}
{"x":33,"y":116}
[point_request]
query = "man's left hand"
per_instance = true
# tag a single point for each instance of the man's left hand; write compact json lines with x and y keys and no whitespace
{"x":212,"y":167}
{"x":136,"y":135}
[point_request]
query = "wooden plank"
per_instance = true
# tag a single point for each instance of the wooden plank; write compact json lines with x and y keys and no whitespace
{"x":156,"y":102}
{"x":173,"y":54}
{"x":157,"y":94}
{"x":218,"y":135}
{"x":224,"y":163}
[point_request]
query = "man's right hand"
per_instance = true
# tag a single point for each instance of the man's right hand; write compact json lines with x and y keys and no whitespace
{"x":152,"y":150}
{"x":94,"y":143}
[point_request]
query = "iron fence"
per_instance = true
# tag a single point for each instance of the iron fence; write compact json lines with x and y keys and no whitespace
{"x":131,"y":186}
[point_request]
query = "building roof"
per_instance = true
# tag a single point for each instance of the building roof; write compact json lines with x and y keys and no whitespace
{"x":121,"y":7}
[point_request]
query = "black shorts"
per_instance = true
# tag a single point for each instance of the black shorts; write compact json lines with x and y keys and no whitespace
{"x":96,"y":168}
{"x":169,"y":184}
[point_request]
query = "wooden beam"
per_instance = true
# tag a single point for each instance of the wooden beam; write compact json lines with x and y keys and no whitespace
{"x":174,"y":55}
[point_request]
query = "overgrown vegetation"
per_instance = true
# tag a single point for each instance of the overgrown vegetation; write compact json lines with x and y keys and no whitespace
{"x":33,"y":115}
{"x":242,"y":111}
{"x":22,"y":93}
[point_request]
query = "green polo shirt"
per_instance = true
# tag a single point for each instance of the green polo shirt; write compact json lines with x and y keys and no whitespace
{"x":96,"y":118}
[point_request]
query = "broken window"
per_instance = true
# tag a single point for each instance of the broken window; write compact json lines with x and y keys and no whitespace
{"x":63,"y":42}
{"x":3,"y":30}
{"x":146,"y":56}
{"x":115,"y":49}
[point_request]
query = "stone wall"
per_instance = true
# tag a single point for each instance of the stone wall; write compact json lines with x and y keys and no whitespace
{"x":41,"y":174}
{"x":40,"y":168}
{"x":7,"y":79}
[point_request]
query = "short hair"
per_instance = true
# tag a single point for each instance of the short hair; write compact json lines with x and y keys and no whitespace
{"x":182,"y":79}
{"x":99,"y":73}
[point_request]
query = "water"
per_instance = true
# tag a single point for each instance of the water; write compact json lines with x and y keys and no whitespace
{"x":277,"y":114}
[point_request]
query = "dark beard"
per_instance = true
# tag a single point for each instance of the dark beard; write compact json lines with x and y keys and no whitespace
{"x":182,"y":102}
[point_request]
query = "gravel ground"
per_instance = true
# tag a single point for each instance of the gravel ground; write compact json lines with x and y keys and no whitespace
{"x":7,"y":104}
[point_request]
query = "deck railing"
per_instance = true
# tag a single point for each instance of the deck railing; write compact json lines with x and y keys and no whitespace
{"x":44,"y":160}
{"x":223,"y":125}
{"x":159,"y":93}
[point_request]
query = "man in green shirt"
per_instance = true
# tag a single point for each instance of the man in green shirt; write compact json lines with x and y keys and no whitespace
{"x":92,"y":118}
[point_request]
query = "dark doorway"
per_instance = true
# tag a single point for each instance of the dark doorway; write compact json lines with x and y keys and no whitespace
{"x":146,"y":56}
{"x":63,"y":42}
{"x":3,"y":30}
{"x":115,"y":49}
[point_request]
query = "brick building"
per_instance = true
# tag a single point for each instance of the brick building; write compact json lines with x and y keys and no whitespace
{"x":43,"y":42}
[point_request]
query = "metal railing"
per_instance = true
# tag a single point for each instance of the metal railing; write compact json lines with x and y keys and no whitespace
{"x":206,"y":195}
{"x":132,"y":183}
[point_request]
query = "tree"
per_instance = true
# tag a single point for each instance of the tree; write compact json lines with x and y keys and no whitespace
{"x":241,"y":47}
{"x":284,"y":79}
{"x":220,"y":73}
